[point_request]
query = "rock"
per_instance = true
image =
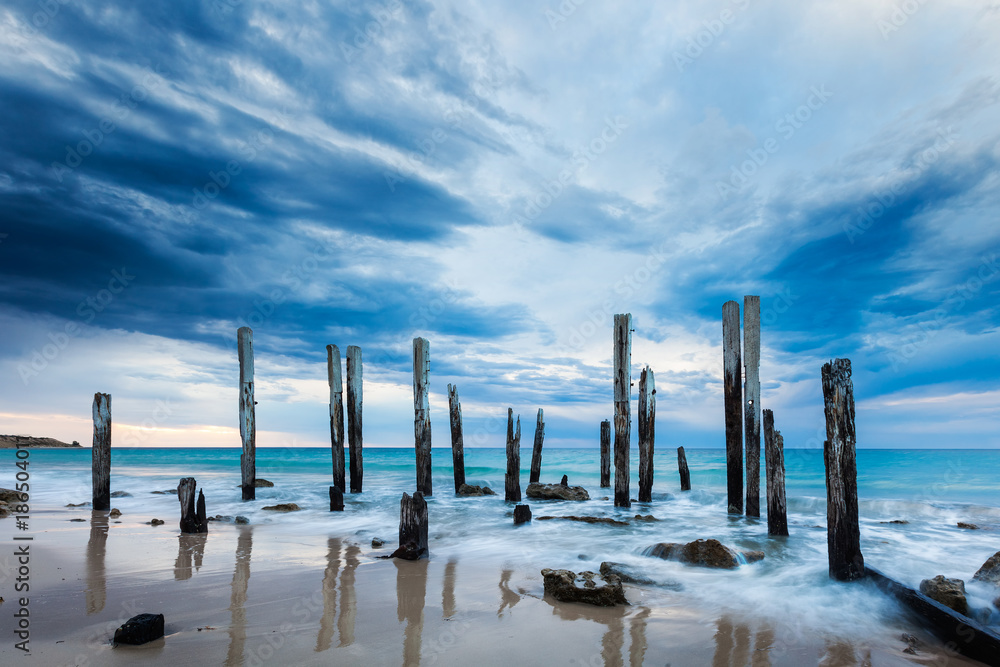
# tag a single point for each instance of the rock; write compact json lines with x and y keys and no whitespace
{"x":4,"y":510}
{"x":968,"y":526}
{"x":556,"y":492}
{"x":140,"y":629}
{"x":648,"y":517}
{"x":949,"y":592}
{"x":223,"y":518}
{"x":522,"y":514}
{"x":623,"y":573}
{"x":80,"y":520}
{"x":241,"y":520}
{"x":78,"y":505}
{"x":586,"y":519}
{"x":753,"y":556}
{"x":166,"y":492}
{"x":262,"y":483}
{"x":121,"y":494}
{"x":11,"y":496}
{"x":283,"y":507}
{"x":706,"y":553}
{"x":114,"y":513}
{"x":587,"y":587}
{"x":896,"y":521}
{"x":996,"y":603}
{"x":377,"y":543}
{"x":156,"y":522}
{"x":990,"y":571}
{"x":564,"y":481}
{"x":471,"y":490}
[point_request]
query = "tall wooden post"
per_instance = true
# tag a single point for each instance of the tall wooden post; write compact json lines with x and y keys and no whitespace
{"x":751,"y":396}
{"x":536,"y":452}
{"x":100,"y":453}
{"x":422,"y":414}
{"x":354,"y":409}
{"x":457,"y":440}
{"x":512,"y":481}
{"x":333,"y":369}
{"x":682,"y":468}
{"x":605,"y":453}
{"x":647,"y":433}
{"x":623,"y":409}
{"x":843,"y":534}
{"x":248,"y":428}
{"x":731,"y":368}
{"x":774,"y":463}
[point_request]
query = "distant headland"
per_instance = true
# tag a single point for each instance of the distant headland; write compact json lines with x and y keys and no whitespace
{"x":12,"y":441}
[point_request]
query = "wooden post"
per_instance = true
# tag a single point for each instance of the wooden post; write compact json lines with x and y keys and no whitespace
{"x":751,"y":396}
{"x":457,"y":440}
{"x":843,"y":535}
{"x":100,"y":453}
{"x":682,"y":467}
{"x":422,"y":415}
{"x":647,"y":433}
{"x":354,"y":408}
{"x":248,"y":428}
{"x":412,"y":527}
{"x":536,"y":453}
{"x":333,"y":369}
{"x":512,"y":481}
{"x":193,"y":519}
{"x":605,"y":453}
{"x":522,"y":514}
{"x":731,"y":368}
{"x":623,"y":408}
{"x":336,"y":499}
{"x":774,"y":463}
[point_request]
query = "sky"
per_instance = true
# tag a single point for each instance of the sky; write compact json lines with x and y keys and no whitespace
{"x":501,"y":179}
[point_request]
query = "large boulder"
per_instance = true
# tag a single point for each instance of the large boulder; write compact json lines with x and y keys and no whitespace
{"x":949,"y":592}
{"x":472,"y":490}
{"x":11,"y":496}
{"x":556,"y":492}
{"x":140,"y":629}
{"x":990,"y":571}
{"x":586,"y":587}
{"x":706,"y":553}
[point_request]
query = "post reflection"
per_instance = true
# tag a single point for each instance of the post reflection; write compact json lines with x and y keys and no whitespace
{"x":348,"y":600}
{"x":325,"y":637}
{"x":97,"y":585}
{"x":238,"y":599}
{"x":411,"y":592}
{"x":190,"y":554}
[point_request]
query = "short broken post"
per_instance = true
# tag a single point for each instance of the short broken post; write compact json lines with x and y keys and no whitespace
{"x":605,"y":453}
{"x":647,"y":433}
{"x":774,"y":464}
{"x":457,"y":439}
{"x":412,"y":527}
{"x":354,"y":408}
{"x":732,"y":371}
{"x":522,"y":514}
{"x":333,"y":370}
{"x":843,"y":536}
{"x":421,"y":415}
{"x":101,"y":453}
{"x":248,"y":429}
{"x":512,"y":480}
{"x":193,"y":519}
{"x":682,"y":468}
{"x":623,"y":409}
{"x":536,"y":452}
{"x":751,"y":397}
{"x":336,"y":499}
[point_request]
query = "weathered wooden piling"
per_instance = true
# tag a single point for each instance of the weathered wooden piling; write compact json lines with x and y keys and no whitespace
{"x":412,"y":527}
{"x":774,"y":464}
{"x":354,"y":409}
{"x":536,"y":452}
{"x":843,"y":534}
{"x":623,"y":409}
{"x":333,"y":370}
{"x":731,"y":369}
{"x":193,"y":519}
{"x":422,"y":414}
{"x":100,"y":454}
{"x":605,"y":453}
{"x":336,"y":499}
{"x":751,"y":397}
{"x":512,"y":480}
{"x":457,"y":439}
{"x":647,"y":433}
{"x":682,"y":468}
{"x":522,"y":514}
{"x":248,"y":428}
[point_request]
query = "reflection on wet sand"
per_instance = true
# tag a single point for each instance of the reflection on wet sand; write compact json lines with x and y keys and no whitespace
{"x":637,"y":638}
{"x":762,"y":649}
{"x":348,"y":601}
{"x":733,"y":645}
{"x":325,"y":637}
{"x":411,"y":591}
{"x":840,"y":653}
{"x":614,"y":637}
{"x":238,"y":599}
{"x":190,"y":547}
{"x":612,"y":642}
{"x":96,"y":549}
{"x":508,"y":598}
{"x":448,"y":591}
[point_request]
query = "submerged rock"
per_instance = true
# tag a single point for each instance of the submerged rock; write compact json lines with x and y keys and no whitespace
{"x":472,"y":490}
{"x":78,"y":505}
{"x":241,"y":520}
{"x":623,"y":572}
{"x":647,"y":517}
{"x":262,"y":483}
{"x":968,"y":526}
{"x":706,"y":553}
{"x":165,"y":492}
{"x":990,"y":571}
{"x":586,"y":519}
{"x":949,"y":592}
{"x":556,"y":492}
{"x":283,"y":507}
{"x":121,"y":494}
{"x":586,"y":587}
{"x":140,"y":629}
{"x":896,"y":521}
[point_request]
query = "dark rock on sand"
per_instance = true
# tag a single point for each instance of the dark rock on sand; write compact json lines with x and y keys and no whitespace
{"x":949,"y":592}
{"x":990,"y":571}
{"x":283,"y":507}
{"x":121,"y":494}
{"x":586,"y":587}
{"x":471,"y":490}
{"x":4,"y":510}
{"x":241,"y":520}
{"x":522,"y":514}
{"x":11,"y":496}
{"x":80,"y":520}
{"x":114,"y":513}
{"x":156,"y":522}
{"x":586,"y":519}
{"x":225,"y":518}
{"x":556,"y":492}
{"x":968,"y":526}
{"x":706,"y":553}
{"x":377,"y":543}
{"x":140,"y":629}
{"x":78,"y":505}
